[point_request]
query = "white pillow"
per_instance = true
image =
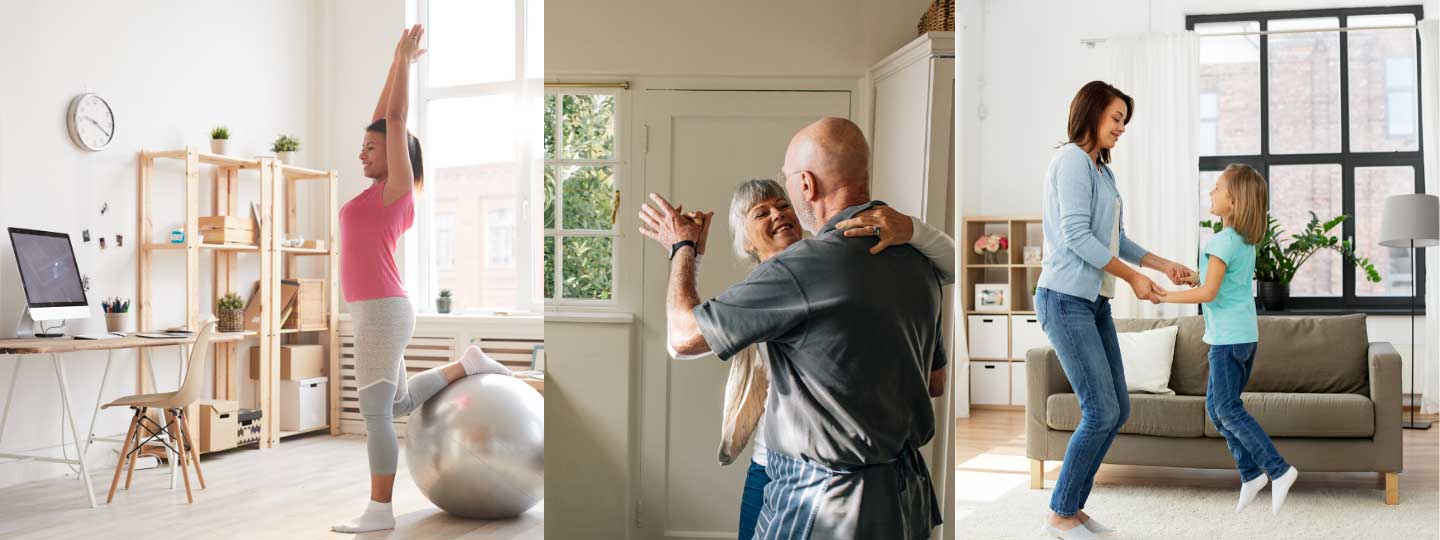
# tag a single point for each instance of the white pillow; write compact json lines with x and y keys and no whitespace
{"x":1147,"y":357}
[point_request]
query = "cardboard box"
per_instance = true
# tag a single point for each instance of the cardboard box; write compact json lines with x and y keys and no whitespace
{"x":215,"y":424}
{"x":313,"y":244}
{"x":309,"y":306}
{"x":296,"y":362}
{"x":288,"y":290}
{"x":226,"y":222}
{"x":228,"y":236}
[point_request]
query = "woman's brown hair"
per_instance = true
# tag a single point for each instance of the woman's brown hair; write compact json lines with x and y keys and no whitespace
{"x":1249,"y":193}
{"x":1086,"y":110}
{"x":417,"y":156}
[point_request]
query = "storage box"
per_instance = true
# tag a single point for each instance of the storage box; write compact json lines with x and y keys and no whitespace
{"x":228,"y":236}
{"x":288,"y":289}
{"x":302,"y":404}
{"x":296,"y":362}
{"x":989,"y":337}
{"x":308,"y":310}
{"x":1025,"y":334}
{"x":217,"y":424}
{"x":1017,"y":383}
{"x":248,"y":431}
{"x":989,"y":383}
{"x":226,"y":222}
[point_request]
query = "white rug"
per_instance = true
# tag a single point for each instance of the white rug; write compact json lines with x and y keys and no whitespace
{"x":1149,"y":512}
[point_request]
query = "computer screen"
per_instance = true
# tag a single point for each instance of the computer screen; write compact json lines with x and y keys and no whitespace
{"x":47,"y":268}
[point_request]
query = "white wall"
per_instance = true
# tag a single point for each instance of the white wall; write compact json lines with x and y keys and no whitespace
{"x":171,"y":70}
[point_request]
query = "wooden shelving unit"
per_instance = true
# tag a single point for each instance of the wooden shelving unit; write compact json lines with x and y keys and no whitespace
{"x":276,"y":184}
{"x":1018,"y":277}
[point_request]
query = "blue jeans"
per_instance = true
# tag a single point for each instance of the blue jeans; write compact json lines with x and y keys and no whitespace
{"x":1083,"y":334}
{"x":1230,"y":367}
{"x":752,"y":500}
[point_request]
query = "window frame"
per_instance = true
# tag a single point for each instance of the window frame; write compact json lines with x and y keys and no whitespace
{"x":617,"y":164}
{"x":1348,"y":301}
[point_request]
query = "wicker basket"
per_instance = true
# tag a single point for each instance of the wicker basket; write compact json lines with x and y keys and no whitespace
{"x":940,"y":17}
{"x":231,"y":320}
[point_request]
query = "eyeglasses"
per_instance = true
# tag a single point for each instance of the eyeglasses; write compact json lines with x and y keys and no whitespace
{"x":781,"y":176}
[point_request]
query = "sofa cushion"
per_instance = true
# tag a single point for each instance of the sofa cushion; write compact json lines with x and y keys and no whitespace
{"x":1165,"y":416}
{"x":1191,"y":368}
{"x":1320,"y":355}
{"x":1308,"y":415}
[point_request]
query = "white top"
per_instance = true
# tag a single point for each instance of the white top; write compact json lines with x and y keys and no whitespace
{"x":1107,"y":281}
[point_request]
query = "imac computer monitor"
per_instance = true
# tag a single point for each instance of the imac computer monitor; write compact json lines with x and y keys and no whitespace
{"x":53,"y":290}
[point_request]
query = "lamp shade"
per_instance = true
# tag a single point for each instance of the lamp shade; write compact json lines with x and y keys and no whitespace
{"x":1411,"y":217}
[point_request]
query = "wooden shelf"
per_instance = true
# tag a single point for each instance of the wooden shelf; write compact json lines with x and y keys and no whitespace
{"x":226,"y":337}
{"x":1013,"y":274}
{"x":304,"y":251}
{"x":300,"y":330}
{"x":292,"y":173}
{"x":160,"y":246}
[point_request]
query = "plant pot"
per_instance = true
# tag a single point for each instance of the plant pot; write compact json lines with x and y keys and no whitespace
{"x":442,"y":305}
{"x":231,"y":320}
{"x":287,"y":158}
{"x":219,"y":146}
{"x":1274,"y":295}
{"x":117,"y":322}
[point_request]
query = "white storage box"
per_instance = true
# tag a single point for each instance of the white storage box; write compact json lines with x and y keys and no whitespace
{"x":989,"y":337}
{"x":1026,"y":334}
{"x":989,"y":383}
{"x":302,"y":403}
{"x":1017,"y":383}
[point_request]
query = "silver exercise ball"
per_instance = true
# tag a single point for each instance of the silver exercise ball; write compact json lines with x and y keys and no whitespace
{"x":477,"y":448}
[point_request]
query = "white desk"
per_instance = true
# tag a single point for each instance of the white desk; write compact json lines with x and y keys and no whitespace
{"x":53,"y":348}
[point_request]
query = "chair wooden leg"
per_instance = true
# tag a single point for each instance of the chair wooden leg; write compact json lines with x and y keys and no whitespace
{"x":189,"y":438}
{"x":130,"y":473}
{"x":1392,"y":488}
{"x":174,"y":430}
{"x":124,"y":451}
{"x":1037,"y":474}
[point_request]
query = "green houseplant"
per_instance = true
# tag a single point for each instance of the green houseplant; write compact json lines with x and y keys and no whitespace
{"x":442,"y":304}
{"x":1276,"y":262}
{"x":230,"y":309}
{"x":285,"y":147}
{"x":219,"y":139}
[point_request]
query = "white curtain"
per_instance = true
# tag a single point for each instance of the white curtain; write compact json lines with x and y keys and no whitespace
{"x":1429,"y":367}
{"x":1156,"y":161}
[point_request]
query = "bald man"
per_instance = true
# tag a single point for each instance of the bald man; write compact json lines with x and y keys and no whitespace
{"x":854,"y":344}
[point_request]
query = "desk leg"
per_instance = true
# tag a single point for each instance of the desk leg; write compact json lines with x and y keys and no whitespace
{"x":99,"y":395}
{"x":14,"y":376}
{"x":74,"y":430}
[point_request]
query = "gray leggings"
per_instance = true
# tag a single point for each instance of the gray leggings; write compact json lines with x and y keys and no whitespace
{"x":383,"y":327}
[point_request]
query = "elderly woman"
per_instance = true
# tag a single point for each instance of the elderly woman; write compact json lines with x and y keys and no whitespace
{"x":764,"y":224}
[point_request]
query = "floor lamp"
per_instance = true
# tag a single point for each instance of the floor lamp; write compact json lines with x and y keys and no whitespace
{"x":1413,"y":221}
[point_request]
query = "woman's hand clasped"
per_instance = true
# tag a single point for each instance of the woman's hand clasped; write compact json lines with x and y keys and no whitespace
{"x":892,"y":227}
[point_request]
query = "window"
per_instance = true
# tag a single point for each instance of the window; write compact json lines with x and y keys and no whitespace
{"x":1331,"y":119}
{"x":582,"y":182}
{"x":477,"y":92}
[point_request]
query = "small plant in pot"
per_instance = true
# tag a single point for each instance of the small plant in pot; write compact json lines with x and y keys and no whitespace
{"x":1276,"y":263}
{"x":219,"y":139}
{"x":442,"y":304}
{"x":231,"y":311}
{"x":285,"y":147}
{"x":117,"y":314}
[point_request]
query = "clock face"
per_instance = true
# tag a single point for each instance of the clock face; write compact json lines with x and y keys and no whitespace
{"x":92,"y":123}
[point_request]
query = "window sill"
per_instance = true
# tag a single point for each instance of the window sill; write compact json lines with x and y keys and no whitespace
{"x":613,"y":317}
{"x":466,"y":317}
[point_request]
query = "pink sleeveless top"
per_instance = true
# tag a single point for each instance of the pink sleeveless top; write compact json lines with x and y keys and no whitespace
{"x":369,"y":231}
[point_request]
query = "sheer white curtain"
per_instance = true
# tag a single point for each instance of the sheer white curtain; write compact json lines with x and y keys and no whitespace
{"x":1156,"y":160}
{"x":1430,"y":95}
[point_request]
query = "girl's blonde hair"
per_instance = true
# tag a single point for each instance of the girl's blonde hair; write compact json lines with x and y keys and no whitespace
{"x":1249,"y":193}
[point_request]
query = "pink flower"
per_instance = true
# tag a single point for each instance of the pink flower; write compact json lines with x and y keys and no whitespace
{"x":992,"y":243}
{"x":980,"y":244}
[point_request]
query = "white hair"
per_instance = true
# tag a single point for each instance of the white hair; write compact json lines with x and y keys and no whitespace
{"x":749,"y":194}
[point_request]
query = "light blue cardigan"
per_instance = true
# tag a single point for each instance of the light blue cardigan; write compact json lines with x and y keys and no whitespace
{"x":1078,"y":217}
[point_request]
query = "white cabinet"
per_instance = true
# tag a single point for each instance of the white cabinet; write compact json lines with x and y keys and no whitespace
{"x":1025,"y":334}
{"x":990,"y":383}
{"x":911,"y":128}
{"x":989,"y":337}
{"x":1017,"y":383}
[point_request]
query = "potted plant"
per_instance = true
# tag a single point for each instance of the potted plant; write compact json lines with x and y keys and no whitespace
{"x":117,"y":314}
{"x":231,"y":311}
{"x":219,"y":137}
{"x":285,"y":147}
{"x":1276,"y":263}
{"x":442,"y":304}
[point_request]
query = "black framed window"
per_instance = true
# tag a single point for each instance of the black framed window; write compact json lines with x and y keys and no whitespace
{"x":1332,"y":119}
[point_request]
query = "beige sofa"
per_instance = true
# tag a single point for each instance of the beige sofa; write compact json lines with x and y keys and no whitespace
{"x":1328,"y":397}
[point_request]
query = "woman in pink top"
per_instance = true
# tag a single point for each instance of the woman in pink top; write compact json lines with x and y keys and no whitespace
{"x":384,"y":320}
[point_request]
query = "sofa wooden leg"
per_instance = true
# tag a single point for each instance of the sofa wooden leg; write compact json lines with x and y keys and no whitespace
{"x":1380,"y":480}
{"x":1392,"y":488}
{"x":1037,"y":474}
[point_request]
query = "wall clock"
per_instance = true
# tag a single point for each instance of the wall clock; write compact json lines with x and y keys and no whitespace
{"x":91,"y":122}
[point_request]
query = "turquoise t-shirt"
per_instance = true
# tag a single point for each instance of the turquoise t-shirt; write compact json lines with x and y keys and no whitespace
{"x":1230,"y":317}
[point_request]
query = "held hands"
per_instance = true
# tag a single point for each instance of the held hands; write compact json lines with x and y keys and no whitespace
{"x":1145,"y":289}
{"x":891,"y":226}
{"x":1180,"y":275}
{"x":408,"y":49}
{"x":666,"y":225}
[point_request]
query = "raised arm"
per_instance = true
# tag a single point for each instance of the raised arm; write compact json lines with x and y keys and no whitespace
{"x":400,"y":179}
{"x":667,"y":225}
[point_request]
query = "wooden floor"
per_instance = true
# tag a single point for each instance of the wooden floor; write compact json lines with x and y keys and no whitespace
{"x":294,"y":491}
{"x":990,"y":460}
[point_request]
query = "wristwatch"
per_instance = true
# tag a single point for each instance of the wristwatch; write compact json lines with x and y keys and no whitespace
{"x":675,"y":248}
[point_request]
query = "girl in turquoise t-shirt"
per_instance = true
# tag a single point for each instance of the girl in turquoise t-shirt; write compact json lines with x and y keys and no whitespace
{"x":1231,"y":328}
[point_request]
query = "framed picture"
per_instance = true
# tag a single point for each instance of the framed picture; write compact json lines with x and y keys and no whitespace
{"x":1033,"y":255}
{"x":992,"y":297}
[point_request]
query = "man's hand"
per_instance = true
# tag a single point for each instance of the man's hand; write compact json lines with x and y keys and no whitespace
{"x":665,"y":224}
{"x":891,"y":226}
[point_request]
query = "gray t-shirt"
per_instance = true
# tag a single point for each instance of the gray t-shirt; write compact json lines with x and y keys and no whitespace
{"x":852,"y":339}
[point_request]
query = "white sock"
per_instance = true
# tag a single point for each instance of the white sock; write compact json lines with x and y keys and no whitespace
{"x":476,"y":362}
{"x":1248,"y":491}
{"x":1281,"y":488}
{"x":1077,"y":533}
{"x":1096,"y":527}
{"x":377,"y":517}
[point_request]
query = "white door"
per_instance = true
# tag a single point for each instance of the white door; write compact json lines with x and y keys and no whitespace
{"x":702,"y":144}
